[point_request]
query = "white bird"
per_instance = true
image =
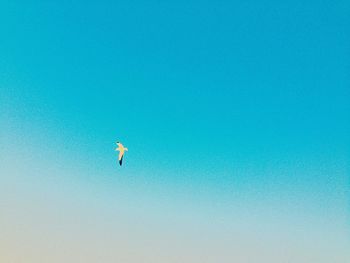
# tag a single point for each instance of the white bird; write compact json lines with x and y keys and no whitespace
{"x":121,"y":150}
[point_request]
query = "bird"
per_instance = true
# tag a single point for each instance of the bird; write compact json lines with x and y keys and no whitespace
{"x":121,"y":150}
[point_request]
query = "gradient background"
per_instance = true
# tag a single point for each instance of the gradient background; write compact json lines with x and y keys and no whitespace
{"x":235,"y":113}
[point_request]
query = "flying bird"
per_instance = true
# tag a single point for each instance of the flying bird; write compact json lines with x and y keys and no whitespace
{"x":121,"y":150}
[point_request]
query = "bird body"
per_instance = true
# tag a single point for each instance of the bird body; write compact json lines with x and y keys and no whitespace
{"x":121,"y":150}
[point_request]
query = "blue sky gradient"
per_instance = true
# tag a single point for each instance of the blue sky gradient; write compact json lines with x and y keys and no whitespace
{"x":236,"y":116}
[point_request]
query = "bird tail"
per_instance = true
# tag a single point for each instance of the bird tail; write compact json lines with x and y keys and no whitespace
{"x":121,"y":161}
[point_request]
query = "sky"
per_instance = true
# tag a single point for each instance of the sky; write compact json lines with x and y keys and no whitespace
{"x":235,"y":114}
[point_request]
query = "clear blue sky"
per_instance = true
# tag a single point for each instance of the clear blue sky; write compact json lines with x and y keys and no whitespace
{"x":238,"y":109}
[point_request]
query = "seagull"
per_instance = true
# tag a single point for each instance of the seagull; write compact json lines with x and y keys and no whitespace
{"x":121,"y":150}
